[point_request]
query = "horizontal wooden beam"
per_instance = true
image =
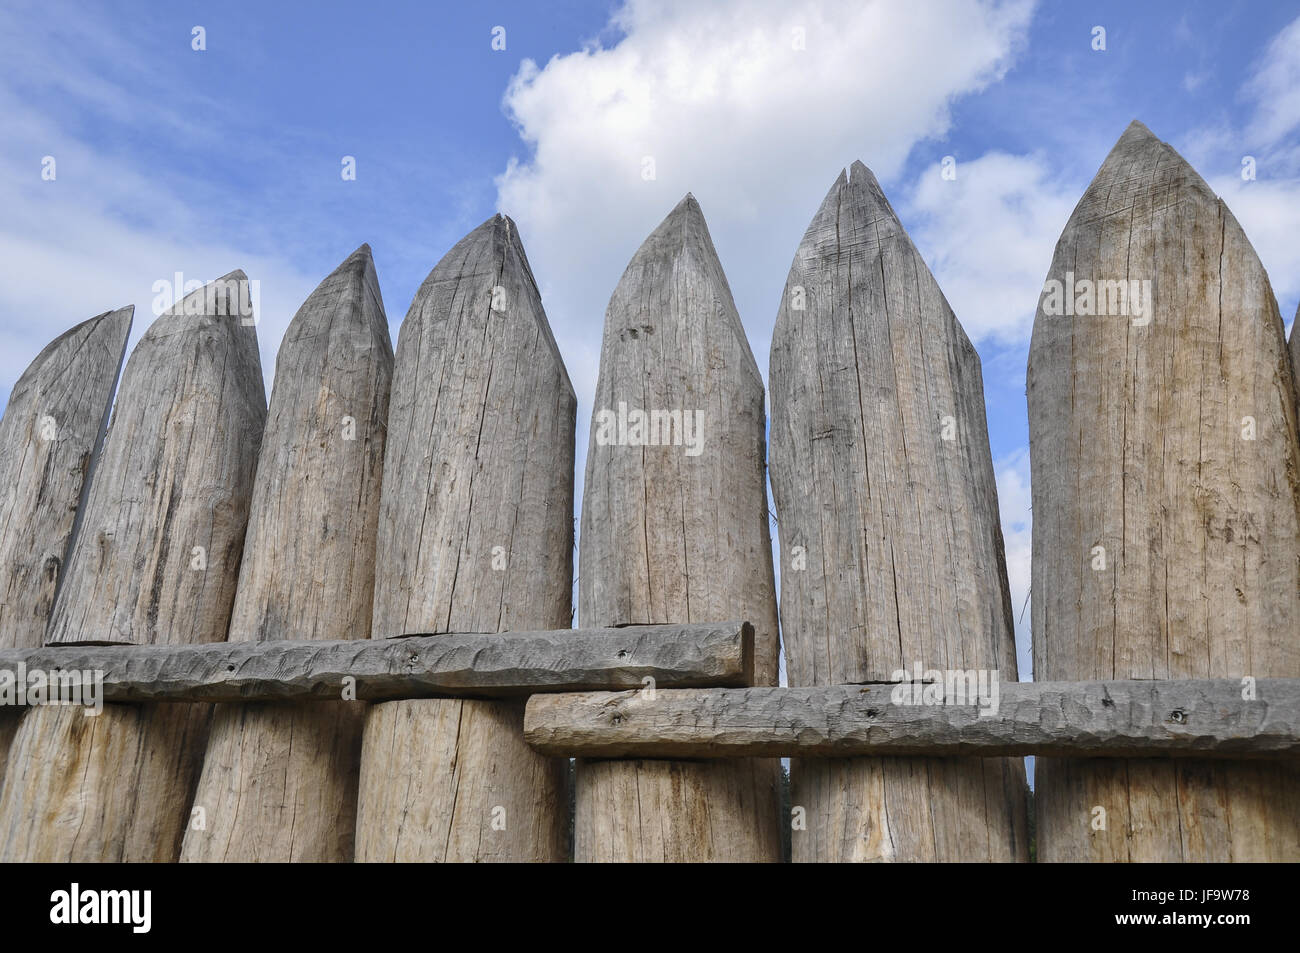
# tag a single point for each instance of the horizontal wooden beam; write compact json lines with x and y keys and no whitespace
{"x":417,"y":666}
{"x":1129,"y":719}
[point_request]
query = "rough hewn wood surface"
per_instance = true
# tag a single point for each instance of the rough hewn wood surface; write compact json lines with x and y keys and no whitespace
{"x":56,"y":416}
{"x":1088,"y":719}
{"x":1140,"y":446}
{"x":672,"y":537}
{"x":887,"y":510}
{"x":52,"y":426}
{"x":473,"y":664}
{"x":279,"y":782}
{"x":175,"y":473}
{"x":429,"y":793}
{"x":475,"y":534}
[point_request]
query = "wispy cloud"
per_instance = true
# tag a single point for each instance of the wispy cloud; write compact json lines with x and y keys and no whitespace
{"x":988,"y":234}
{"x":1274,"y":89}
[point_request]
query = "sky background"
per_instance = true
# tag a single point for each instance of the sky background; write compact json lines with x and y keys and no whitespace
{"x":173,"y":160}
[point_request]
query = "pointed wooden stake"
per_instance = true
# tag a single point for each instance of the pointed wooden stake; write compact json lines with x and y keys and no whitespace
{"x":674,"y":529}
{"x":1166,"y":483}
{"x":890,"y":541}
{"x":279,"y":782}
{"x":475,"y":535}
{"x":52,"y":427}
{"x":155,"y":559}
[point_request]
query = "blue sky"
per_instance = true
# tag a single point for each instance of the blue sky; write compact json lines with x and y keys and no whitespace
{"x":171,"y":159}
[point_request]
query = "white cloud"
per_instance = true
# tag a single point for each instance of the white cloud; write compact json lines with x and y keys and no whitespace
{"x":988,"y":236}
{"x":77,"y":257}
{"x":105,"y":229}
{"x":1275,"y":88}
{"x":729,"y":108}
{"x":1268,"y":207}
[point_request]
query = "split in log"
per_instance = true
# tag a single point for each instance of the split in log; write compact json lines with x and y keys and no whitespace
{"x":488,"y":665}
{"x":475,"y":535}
{"x":52,"y":429}
{"x":890,"y":539}
{"x":279,"y":783}
{"x":1295,"y":358}
{"x":1166,"y":502}
{"x":675,"y":529}
{"x":1131,"y":719}
{"x":155,"y":560}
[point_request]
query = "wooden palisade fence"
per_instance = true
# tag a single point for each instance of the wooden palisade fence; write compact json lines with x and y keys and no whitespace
{"x":50,"y":431}
{"x":279,"y":781}
{"x":892,"y":546}
{"x":675,"y":532}
{"x":475,"y":535}
{"x":340,"y":628}
{"x":155,"y":560}
{"x":1166,"y":501}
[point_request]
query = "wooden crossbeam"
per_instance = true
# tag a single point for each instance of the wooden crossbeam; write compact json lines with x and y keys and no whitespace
{"x":418,"y":666}
{"x":1206,"y":718}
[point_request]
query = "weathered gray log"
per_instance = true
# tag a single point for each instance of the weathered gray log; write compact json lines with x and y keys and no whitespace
{"x":478,"y":664}
{"x":279,"y":783}
{"x":1166,"y":499}
{"x":51,"y":429}
{"x":54,"y":421}
{"x":155,"y":560}
{"x":891,"y":545}
{"x":1148,"y":719}
{"x":674,"y":529}
{"x":475,"y":534}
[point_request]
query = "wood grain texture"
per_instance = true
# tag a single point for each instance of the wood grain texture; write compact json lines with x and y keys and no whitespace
{"x":52,"y":426}
{"x":458,"y":804}
{"x":475,"y":534}
{"x":279,"y":782}
{"x":475,"y":664}
{"x":672,"y":537}
{"x":115,"y":787}
{"x":1089,"y":719}
{"x":175,"y":473}
{"x":43,"y":472}
{"x":1138,"y":446}
{"x":887,"y":510}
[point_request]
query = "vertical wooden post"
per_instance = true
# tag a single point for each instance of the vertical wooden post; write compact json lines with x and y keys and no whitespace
{"x":1166,"y":485}
{"x":52,"y":426}
{"x":155,"y":559}
{"x":279,"y":781}
{"x":891,"y":547}
{"x":475,"y":535}
{"x":674,"y":529}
